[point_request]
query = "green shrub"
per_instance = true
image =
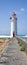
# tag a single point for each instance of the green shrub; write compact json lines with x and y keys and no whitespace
{"x":22,"y":48}
{"x":20,"y":44}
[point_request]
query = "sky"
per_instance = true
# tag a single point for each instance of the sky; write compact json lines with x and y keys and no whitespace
{"x":6,"y":9}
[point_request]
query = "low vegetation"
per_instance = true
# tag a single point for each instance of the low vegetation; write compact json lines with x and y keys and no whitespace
{"x":3,"y":43}
{"x":22,"y":48}
{"x":20,"y":44}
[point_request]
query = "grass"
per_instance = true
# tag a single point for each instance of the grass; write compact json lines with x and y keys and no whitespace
{"x":3,"y":43}
{"x":20,"y":44}
{"x":22,"y":48}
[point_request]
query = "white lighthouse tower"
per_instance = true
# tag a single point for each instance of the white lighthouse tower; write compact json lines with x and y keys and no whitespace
{"x":13,"y":20}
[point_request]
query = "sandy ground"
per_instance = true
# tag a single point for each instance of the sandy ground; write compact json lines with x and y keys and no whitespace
{"x":3,"y":43}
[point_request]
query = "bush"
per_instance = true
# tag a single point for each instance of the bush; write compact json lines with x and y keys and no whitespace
{"x":20,"y":44}
{"x":22,"y":48}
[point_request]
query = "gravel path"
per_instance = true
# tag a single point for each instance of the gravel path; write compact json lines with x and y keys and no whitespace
{"x":12,"y":55}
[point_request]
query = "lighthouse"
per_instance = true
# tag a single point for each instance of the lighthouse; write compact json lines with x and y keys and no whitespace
{"x":13,"y":20}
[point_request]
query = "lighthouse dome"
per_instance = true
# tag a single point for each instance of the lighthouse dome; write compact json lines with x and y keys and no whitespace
{"x":13,"y":14}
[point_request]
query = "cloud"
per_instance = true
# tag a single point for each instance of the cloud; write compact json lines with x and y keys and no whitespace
{"x":22,"y":9}
{"x":19,"y":11}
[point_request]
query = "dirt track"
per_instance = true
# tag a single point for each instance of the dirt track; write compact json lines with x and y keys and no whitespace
{"x":12,"y":55}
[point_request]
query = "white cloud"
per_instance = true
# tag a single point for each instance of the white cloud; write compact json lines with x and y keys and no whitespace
{"x":19,"y":11}
{"x":22,"y":9}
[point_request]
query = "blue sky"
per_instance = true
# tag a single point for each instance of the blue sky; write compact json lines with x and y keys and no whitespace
{"x":6,"y":8}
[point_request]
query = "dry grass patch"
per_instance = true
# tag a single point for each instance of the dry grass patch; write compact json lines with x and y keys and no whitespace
{"x":3,"y":43}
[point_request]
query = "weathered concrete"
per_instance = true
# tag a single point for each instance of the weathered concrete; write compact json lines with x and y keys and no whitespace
{"x":12,"y":55}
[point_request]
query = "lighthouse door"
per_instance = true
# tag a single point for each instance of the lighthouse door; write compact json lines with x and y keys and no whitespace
{"x":13,"y":34}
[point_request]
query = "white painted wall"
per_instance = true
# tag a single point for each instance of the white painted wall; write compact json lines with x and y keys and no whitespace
{"x":13,"y":27}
